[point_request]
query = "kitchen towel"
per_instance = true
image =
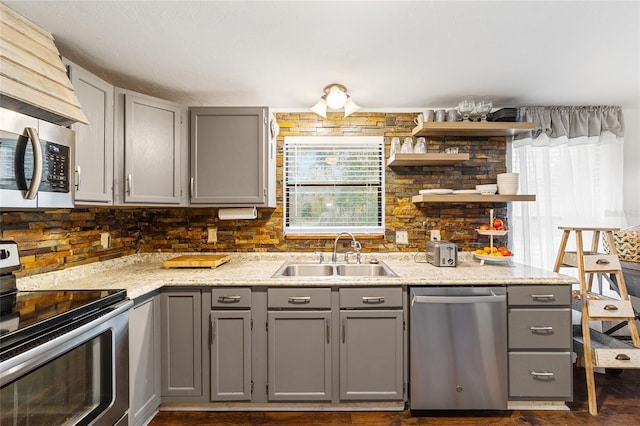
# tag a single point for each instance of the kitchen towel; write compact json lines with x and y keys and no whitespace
{"x":238,"y":213}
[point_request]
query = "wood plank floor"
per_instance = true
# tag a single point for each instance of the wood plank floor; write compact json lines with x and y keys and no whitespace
{"x":618,"y":404}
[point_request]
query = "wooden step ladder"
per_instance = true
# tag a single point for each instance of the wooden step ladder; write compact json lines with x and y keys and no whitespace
{"x":598,"y":349}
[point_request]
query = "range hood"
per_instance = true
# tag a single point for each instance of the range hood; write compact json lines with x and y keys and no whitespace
{"x":33,"y":79}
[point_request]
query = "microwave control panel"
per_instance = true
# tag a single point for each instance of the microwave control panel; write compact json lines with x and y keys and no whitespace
{"x":55,"y":174}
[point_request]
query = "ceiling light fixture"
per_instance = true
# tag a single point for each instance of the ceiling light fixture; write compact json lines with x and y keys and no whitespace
{"x":335,"y":97}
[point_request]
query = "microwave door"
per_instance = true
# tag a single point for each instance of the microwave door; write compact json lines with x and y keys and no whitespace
{"x":14,"y":173}
{"x":31,"y":190}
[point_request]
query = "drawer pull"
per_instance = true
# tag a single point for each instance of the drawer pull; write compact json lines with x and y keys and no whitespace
{"x":372,"y":299}
{"x":610,"y":308}
{"x":541,"y":330}
{"x":542,"y":375}
{"x":543,"y":297}
{"x":300,"y":299}
{"x":229,"y":299}
{"x":602,"y":262}
{"x":623,"y":357}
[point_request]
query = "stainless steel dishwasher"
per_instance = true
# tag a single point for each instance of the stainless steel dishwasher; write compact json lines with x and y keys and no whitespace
{"x":458,"y":348}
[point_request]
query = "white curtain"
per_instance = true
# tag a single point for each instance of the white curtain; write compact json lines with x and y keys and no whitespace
{"x":572,"y":162}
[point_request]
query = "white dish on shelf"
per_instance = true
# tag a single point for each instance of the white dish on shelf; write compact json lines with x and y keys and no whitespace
{"x":489,"y":258}
{"x":495,"y":232}
{"x":436,"y":191}
{"x":466,"y":191}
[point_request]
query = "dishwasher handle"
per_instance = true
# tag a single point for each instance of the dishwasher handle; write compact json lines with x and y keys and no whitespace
{"x":489,"y":298}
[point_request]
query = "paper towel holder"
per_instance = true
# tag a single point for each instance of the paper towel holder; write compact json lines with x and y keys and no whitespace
{"x":238,"y":213}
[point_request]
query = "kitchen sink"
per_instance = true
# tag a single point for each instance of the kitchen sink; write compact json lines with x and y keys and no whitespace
{"x":301,"y":269}
{"x":365,"y":270}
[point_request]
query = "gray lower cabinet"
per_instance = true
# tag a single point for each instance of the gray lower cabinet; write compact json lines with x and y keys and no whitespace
{"x":540,"y":364}
{"x":299,"y":344}
{"x":94,"y":141}
{"x":371,"y":343}
{"x":230,"y":349}
{"x":181,"y":350}
{"x":232,"y":158}
{"x":371,"y":355}
{"x":144,"y":359}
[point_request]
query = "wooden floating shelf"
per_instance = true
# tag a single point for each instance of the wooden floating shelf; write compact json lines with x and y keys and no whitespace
{"x":462,"y":128}
{"x":426,"y":159}
{"x":470,"y":198}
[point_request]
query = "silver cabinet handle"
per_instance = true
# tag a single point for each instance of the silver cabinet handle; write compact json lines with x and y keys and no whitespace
{"x":191,"y":182}
{"x":229,"y":299}
{"x":544,"y":375}
{"x":543,"y":296}
{"x":372,"y":299}
{"x":344,"y":330}
{"x":300,"y":299}
{"x":129,"y":183}
{"x":78,"y":177}
{"x":36,"y":175}
{"x":541,"y":330}
{"x":326,"y":322}
{"x":213,"y":330}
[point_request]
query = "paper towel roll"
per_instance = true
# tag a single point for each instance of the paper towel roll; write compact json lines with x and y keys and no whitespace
{"x":238,"y":213}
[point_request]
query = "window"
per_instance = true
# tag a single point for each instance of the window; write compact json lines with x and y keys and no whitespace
{"x":333,"y":184}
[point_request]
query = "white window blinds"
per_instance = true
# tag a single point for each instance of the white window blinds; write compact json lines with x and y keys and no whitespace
{"x":333,"y":184}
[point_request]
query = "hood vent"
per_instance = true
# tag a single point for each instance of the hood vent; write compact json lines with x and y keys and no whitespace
{"x":33,"y":79}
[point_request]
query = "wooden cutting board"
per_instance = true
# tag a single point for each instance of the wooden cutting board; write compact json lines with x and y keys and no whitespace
{"x":196,"y":261}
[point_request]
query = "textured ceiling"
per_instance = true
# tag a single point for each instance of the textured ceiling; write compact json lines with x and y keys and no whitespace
{"x":390,"y":54}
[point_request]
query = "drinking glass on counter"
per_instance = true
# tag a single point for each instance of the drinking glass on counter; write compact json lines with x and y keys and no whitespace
{"x":407,"y":146}
{"x":395,"y":146}
{"x":421,"y":146}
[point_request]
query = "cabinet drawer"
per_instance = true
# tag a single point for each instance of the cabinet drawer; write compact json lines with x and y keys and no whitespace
{"x":371,"y":297}
{"x":231,"y":297}
{"x":539,"y":295}
{"x":299,"y":298}
{"x":540,"y":328}
{"x":540,"y":375}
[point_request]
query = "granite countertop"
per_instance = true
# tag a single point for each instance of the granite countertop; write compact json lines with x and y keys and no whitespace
{"x":143,"y":273}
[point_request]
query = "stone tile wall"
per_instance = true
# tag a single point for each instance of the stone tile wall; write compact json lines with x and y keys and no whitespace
{"x":51,"y":240}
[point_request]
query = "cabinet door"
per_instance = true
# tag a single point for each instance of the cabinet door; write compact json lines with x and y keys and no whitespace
{"x":94,"y":142}
{"x":152,"y":151}
{"x":299,"y":356}
{"x":371,"y":355}
{"x":181,"y":343}
{"x":144,"y":360}
{"x":231,"y":355}
{"x":229,"y":156}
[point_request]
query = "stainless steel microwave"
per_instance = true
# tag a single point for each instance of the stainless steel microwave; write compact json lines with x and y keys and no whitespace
{"x":36,"y":163}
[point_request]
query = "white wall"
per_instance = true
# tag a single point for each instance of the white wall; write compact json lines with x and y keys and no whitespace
{"x":631,"y":182}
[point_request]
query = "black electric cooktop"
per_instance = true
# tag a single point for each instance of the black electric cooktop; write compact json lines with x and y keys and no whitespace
{"x":28,"y":314}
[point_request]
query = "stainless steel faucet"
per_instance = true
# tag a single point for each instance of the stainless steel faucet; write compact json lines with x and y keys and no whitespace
{"x":355,"y":245}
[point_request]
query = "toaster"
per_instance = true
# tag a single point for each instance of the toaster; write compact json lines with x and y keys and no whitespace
{"x":442,"y":253}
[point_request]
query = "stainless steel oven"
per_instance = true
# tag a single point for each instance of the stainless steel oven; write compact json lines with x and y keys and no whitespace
{"x":64,"y":356}
{"x":36,"y":162}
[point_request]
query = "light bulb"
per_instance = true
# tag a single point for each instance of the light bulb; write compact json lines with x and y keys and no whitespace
{"x":336,"y":98}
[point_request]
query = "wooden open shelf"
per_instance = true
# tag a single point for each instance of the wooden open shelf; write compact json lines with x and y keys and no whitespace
{"x":466,"y":128}
{"x":399,"y":159}
{"x":470,"y":198}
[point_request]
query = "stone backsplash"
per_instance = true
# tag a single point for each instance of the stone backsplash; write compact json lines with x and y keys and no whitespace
{"x":51,"y":240}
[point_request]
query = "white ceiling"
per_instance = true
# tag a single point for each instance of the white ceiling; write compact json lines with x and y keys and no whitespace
{"x":392,"y":55}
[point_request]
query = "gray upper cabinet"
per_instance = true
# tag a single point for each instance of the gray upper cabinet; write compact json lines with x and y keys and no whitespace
{"x":232,"y":157}
{"x":94,"y":142}
{"x":149,"y":149}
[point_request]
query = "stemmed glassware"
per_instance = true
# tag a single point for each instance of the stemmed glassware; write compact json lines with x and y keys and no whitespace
{"x":466,"y":107}
{"x":483,"y":108}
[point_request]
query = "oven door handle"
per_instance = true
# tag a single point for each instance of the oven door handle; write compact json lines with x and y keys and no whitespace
{"x":15,"y":367}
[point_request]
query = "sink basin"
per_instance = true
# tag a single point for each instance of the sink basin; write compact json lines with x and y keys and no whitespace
{"x":365,"y":270}
{"x":299,"y":269}
{"x":304,"y":270}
